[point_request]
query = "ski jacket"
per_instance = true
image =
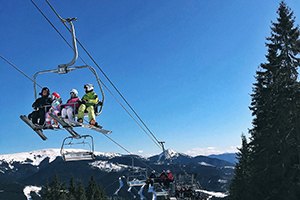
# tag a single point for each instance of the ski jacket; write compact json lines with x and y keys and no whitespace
{"x":91,"y":97}
{"x":41,"y":102}
{"x":55,"y":106}
{"x":170,"y":176}
{"x":152,"y":175}
{"x":73,"y":102}
{"x":163,"y":175}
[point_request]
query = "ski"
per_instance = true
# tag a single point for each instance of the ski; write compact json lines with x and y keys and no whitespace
{"x":95,"y":128}
{"x":37,"y":128}
{"x":65,"y":125}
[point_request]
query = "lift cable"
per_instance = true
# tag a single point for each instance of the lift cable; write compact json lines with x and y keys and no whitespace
{"x":157,"y":142}
{"x":99,"y":69}
{"x":19,"y":70}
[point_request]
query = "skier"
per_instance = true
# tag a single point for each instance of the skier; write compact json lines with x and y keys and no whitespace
{"x":88,"y":101}
{"x":55,"y":109}
{"x":41,"y":106}
{"x":163,"y":176}
{"x":169,"y":179}
{"x":71,"y":106}
{"x":151,"y":179}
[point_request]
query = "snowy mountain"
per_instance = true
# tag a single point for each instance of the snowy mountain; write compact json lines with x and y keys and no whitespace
{"x":230,"y":157}
{"x":170,"y":156}
{"x":32,"y":169}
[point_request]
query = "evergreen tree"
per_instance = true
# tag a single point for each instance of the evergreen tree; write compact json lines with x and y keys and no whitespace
{"x":95,"y":191}
{"x":63,"y":192}
{"x":81,"y":191}
{"x":100,"y":194}
{"x":275,"y":136}
{"x":91,"y":189}
{"x":55,"y":187}
{"x":47,"y":192}
{"x":239,"y":188}
{"x":72,"y":189}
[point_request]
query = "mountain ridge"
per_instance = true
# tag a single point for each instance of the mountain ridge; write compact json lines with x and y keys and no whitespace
{"x":36,"y":167}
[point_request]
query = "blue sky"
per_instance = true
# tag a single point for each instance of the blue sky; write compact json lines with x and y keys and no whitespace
{"x":186,"y":67}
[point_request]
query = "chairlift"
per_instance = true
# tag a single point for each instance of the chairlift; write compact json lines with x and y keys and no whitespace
{"x":78,"y":148}
{"x":158,"y":191}
{"x":137,"y":177}
{"x":189,"y":183}
{"x":65,"y":68}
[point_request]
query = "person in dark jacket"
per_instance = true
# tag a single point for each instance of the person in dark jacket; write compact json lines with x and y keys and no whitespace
{"x":41,"y":106}
{"x":151,"y":179}
{"x":163,"y":176}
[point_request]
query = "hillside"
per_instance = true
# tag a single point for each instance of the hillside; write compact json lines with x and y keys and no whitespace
{"x":36,"y":167}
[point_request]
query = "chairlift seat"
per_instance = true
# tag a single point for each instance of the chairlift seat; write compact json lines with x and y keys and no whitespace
{"x":76,"y":156}
{"x":71,"y":154}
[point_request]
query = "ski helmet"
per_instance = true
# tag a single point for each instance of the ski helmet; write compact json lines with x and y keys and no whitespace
{"x":89,"y":87}
{"x":45,"y":88}
{"x":74,"y":91}
{"x":55,"y":96}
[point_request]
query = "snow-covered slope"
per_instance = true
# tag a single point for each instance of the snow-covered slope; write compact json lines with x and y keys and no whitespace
{"x":34,"y":157}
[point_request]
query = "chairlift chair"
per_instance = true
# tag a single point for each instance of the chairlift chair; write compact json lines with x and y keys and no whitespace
{"x":70,"y":151}
{"x":137,"y":178}
{"x":65,"y":68}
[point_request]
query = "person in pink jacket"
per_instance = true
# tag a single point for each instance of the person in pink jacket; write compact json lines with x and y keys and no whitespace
{"x":71,"y":106}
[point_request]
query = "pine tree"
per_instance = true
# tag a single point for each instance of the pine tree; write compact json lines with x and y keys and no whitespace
{"x":81,"y":190}
{"x":72,"y":189}
{"x":100,"y":194}
{"x":275,"y":136}
{"x":95,"y":191}
{"x":63,"y":192}
{"x":91,"y":189}
{"x":55,"y":187}
{"x":239,"y":187}
{"x":47,"y":192}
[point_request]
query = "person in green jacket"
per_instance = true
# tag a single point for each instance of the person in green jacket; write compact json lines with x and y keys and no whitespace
{"x":87,"y":103}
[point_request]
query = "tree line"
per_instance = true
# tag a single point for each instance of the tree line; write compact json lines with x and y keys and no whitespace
{"x":57,"y":190}
{"x":269,"y":163}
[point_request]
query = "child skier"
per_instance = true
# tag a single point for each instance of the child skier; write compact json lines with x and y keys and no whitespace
{"x":55,"y":109}
{"x":88,"y":102}
{"x":71,"y":106}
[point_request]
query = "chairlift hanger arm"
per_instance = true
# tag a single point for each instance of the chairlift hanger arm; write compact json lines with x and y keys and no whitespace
{"x":63,"y":67}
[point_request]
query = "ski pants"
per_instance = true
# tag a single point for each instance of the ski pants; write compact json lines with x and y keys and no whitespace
{"x":39,"y":114}
{"x":68,"y":111}
{"x":48,"y":117}
{"x":90,"y":110}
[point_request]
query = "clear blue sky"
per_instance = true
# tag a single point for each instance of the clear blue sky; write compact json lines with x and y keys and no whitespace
{"x":186,"y":67}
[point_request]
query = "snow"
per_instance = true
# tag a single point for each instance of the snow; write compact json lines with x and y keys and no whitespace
{"x":222,"y":181}
{"x":206,"y":164}
{"x":33,"y":157}
{"x":108,"y":167}
{"x":36,"y":157}
{"x":213,"y":194}
{"x":29,"y":189}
